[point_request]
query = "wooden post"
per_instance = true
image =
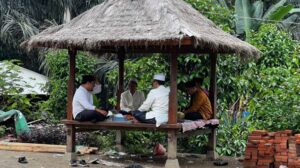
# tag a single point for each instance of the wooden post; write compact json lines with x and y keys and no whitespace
{"x":71,"y":87}
{"x":211,"y":153}
{"x":71,"y":83}
{"x":121,"y":57}
{"x":71,"y":142}
{"x":120,"y":134}
{"x":172,"y":161}
{"x":173,"y":91}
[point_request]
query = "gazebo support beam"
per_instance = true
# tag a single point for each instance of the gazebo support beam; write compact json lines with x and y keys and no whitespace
{"x":121,"y":58}
{"x":211,"y":153}
{"x":71,"y":89}
{"x":71,"y":82}
{"x":173,"y":90}
{"x":119,"y":133}
{"x":172,"y":161}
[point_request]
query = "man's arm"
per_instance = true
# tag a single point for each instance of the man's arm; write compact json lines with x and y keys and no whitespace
{"x":103,"y":112}
{"x":142,"y":97}
{"x":197,"y":102}
{"x":148,"y":102}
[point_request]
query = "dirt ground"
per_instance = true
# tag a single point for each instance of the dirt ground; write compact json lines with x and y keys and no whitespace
{"x":9,"y":159}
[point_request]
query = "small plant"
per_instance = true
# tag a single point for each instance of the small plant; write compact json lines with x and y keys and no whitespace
{"x":2,"y":130}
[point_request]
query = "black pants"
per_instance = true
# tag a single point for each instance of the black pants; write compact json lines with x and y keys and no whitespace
{"x":193,"y":116}
{"x":90,"y":115}
{"x":125,"y":112}
{"x":141,"y":117}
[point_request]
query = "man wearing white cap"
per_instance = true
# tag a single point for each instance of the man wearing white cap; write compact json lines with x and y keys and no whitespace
{"x":154,"y":109}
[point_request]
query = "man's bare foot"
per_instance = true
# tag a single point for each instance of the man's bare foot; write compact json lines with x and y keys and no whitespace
{"x":135,"y":121}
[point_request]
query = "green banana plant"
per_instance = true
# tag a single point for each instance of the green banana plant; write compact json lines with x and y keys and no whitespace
{"x":250,"y":15}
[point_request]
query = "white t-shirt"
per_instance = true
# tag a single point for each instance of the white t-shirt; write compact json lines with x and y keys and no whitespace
{"x":83,"y":99}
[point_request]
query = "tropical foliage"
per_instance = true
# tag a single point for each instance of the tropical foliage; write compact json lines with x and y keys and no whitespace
{"x":21,"y":19}
{"x":251,"y":14}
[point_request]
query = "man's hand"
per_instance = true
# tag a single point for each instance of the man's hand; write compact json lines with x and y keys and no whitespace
{"x":102,"y":112}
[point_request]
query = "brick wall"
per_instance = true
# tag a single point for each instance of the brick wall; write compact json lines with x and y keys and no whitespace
{"x":272,"y":149}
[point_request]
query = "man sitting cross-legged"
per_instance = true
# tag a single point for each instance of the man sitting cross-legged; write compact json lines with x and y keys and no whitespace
{"x":83,"y":108}
{"x":154,"y":109}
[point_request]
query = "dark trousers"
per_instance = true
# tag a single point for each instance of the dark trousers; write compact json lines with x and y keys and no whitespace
{"x":193,"y":116}
{"x":141,"y":117}
{"x":90,"y":115}
{"x":125,"y":112}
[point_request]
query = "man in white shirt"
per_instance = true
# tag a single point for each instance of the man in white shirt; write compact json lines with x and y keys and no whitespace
{"x":154,"y":109}
{"x":83,"y":108}
{"x":131,"y":99}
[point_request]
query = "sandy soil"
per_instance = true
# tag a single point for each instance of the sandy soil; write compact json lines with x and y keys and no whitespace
{"x":9,"y":159}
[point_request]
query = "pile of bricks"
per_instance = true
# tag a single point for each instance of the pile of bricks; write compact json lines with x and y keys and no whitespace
{"x":294,"y":152}
{"x":272,"y":149}
{"x":281,"y":147}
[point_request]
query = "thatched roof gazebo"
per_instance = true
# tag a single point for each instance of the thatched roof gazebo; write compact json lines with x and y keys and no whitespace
{"x":143,"y":26}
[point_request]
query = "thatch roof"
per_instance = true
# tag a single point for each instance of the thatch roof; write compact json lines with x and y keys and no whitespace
{"x":141,"y":23}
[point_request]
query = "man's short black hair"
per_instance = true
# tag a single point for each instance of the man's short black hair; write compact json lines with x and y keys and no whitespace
{"x":88,"y":78}
{"x":190,"y":84}
{"x":160,"y":82}
{"x":133,"y":82}
{"x":198,"y":80}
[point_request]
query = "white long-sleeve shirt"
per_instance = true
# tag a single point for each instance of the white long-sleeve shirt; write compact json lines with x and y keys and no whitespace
{"x":157,"y":103}
{"x":131,"y":102}
{"x":83,"y":99}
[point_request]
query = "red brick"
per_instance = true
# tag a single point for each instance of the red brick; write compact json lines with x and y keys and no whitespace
{"x":259,"y":132}
{"x":297,"y":135}
{"x":249,"y":164}
{"x":283,"y":153}
{"x":271,"y":134}
{"x":254,"y":137}
{"x":290,"y":132}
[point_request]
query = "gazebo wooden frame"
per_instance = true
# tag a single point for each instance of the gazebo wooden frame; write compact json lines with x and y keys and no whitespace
{"x":172,"y":127}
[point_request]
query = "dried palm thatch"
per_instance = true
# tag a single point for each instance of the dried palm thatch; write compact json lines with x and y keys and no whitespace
{"x":141,"y":23}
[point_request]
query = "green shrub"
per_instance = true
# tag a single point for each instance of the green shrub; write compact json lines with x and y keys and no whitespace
{"x":277,"y":46}
{"x":272,"y":84}
{"x":143,"y":142}
{"x":2,"y":130}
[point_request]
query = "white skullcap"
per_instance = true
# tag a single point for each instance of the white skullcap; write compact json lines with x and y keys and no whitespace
{"x":160,"y":77}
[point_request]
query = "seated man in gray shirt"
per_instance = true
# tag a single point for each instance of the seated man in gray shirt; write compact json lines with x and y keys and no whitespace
{"x":83,"y":108}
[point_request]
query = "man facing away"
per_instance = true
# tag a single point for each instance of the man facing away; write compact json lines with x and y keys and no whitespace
{"x":154,"y":109}
{"x":131,"y":99}
{"x":83,"y":108}
{"x":200,"y":106}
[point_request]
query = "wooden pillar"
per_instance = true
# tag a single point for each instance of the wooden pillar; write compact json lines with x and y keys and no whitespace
{"x":120,"y":134}
{"x":211,"y":153}
{"x":173,"y":91}
{"x":71,"y":88}
{"x":172,"y":161}
{"x":71,"y":142}
{"x":71,"y":83}
{"x":121,"y":57}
